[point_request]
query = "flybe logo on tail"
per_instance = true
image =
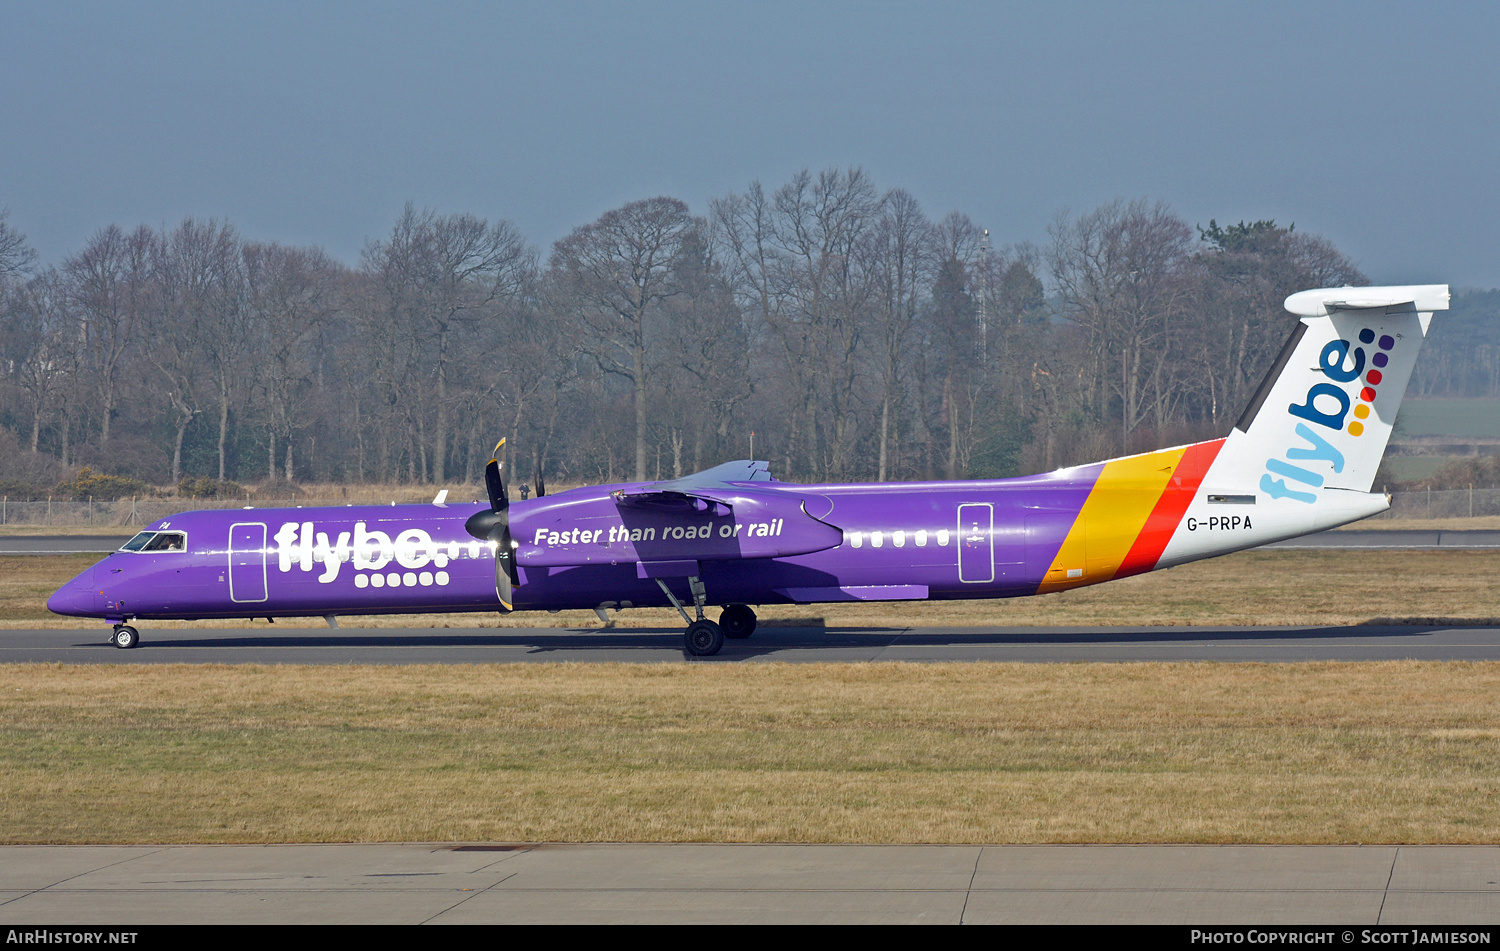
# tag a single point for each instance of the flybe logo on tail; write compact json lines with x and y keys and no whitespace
{"x":1328,"y":405}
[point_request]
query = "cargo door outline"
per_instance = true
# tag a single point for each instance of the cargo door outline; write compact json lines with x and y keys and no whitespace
{"x":247,"y":562}
{"x":976,"y":544}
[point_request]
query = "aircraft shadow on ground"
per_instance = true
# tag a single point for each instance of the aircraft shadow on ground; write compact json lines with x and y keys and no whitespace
{"x":766,"y":641}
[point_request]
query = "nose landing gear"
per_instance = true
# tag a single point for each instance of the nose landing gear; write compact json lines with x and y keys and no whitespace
{"x":703,"y":638}
{"x":124,"y":636}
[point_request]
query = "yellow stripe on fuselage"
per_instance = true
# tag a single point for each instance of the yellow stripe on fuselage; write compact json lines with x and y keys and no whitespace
{"x":1111,"y":518}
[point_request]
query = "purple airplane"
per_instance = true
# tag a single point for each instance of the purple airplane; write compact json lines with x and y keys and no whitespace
{"x":1301,"y":459}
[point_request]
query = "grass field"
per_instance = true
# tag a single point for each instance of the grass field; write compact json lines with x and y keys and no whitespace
{"x":994,"y":753}
{"x":1415,"y":468}
{"x":1448,"y":418}
{"x":1321,"y":753}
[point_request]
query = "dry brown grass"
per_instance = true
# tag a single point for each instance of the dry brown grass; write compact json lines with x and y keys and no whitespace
{"x":1477,"y":523}
{"x":1327,"y":753}
{"x":1289,"y":587}
{"x":112,"y":531}
{"x":26,"y":581}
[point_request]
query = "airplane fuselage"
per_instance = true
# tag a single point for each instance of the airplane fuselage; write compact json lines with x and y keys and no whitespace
{"x":785,"y":543}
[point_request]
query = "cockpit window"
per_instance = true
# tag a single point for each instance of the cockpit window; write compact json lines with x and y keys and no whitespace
{"x":138,"y":542}
{"x":156,"y":542}
{"x":167,"y":541}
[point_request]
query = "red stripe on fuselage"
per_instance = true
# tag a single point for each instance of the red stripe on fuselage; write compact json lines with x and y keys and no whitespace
{"x":1168,"y":511}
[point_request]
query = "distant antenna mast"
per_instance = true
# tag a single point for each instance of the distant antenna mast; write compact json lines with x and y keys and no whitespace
{"x":984,"y":316}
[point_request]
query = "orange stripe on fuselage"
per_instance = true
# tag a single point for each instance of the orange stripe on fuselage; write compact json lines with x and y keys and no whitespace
{"x":1167,"y":515}
{"x":1129,"y":516}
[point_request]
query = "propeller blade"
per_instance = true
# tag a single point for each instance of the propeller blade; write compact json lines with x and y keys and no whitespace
{"x":505,"y":567}
{"x":541,"y":481}
{"x":494,"y":527}
{"x":499,"y":496}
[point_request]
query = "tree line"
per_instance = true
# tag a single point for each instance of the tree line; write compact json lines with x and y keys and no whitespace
{"x":833,"y":326}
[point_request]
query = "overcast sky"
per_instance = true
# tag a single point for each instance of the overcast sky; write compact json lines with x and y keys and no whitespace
{"x":1373,"y":124}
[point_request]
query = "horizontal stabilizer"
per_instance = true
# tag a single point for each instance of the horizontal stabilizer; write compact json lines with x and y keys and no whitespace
{"x":1327,"y":300}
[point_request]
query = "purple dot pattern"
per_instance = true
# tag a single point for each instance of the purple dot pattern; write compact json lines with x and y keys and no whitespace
{"x":1367,"y":394}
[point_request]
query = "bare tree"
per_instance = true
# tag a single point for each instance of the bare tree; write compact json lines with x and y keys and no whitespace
{"x":1118,"y":275}
{"x":701,"y":366}
{"x":617,"y":271}
{"x":40,"y":345}
{"x":854,"y":338}
{"x":290,"y":293}
{"x":450,"y":279}
{"x":820,"y":222}
{"x":744,"y":235}
{"x":899,"y":248}
{"x":227,"y":344}
{"x":197,"y":275}
{"x":17,"y":258}
{"x":796,"y":264}
{"x":112,"y":285}
{"x":1240,"y":277}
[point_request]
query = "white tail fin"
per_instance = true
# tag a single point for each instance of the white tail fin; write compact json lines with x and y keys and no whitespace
{"x":1303,"y":456}
{"x":1323,"y":416}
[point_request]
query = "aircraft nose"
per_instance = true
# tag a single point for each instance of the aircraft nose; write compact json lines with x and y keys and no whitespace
{"x":76,"y":598}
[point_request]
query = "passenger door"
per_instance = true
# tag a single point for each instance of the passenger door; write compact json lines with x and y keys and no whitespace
{"x":247,"y":562}
{"x":976,"y":546}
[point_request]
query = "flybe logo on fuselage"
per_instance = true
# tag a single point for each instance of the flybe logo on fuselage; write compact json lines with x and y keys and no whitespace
{"x":376,"y":556}
{"x":1328,"y":405}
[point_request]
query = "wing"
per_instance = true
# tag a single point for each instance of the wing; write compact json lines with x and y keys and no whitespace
{"x":729,"y":477}
{"x":732,"y":511}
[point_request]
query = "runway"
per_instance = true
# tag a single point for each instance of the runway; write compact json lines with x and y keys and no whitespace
{"x":265,"y":645}
{"x":1370,"y":886}
{"x":1394,"y":538}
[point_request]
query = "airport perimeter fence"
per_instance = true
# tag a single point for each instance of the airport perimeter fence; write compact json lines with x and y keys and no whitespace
{"x":127,"y":514}
{"x":1444,"y":503}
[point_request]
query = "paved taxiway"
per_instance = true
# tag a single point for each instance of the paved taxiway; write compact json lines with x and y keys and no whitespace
{"x":764,"y":884}
{"x":285,"y":645}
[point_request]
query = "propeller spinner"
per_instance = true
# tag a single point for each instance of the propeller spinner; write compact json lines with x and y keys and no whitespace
{"x":494,"y":527}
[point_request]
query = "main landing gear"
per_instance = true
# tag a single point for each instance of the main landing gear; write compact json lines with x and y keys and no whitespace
{"x":124,"y":636}
{"x":704,"y":638}
{"x":737,"y":621}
